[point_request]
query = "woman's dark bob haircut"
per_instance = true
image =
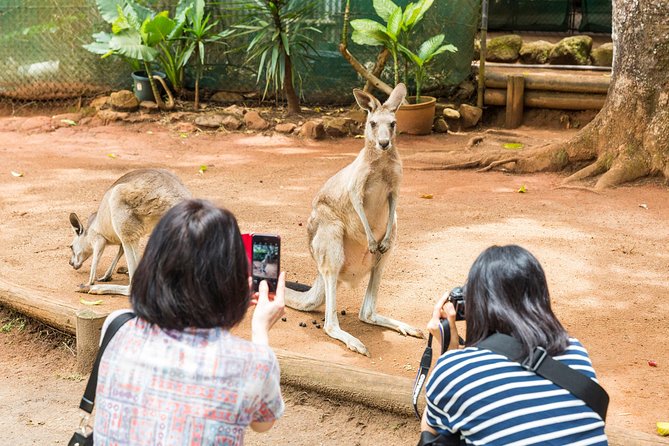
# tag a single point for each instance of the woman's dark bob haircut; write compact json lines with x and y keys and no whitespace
{"x":194,"y":271}
{"x":506,"y":292}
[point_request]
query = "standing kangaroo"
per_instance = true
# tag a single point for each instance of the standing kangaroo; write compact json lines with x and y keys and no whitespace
{"x":353,"y":225}
{"x":129,"y":209}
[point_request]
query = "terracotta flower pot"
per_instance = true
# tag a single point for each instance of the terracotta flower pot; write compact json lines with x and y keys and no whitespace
{"x":416,"y":119}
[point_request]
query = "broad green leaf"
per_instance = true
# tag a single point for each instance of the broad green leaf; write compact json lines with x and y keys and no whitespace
{"x":366,"y":25}
{"x":370,"y":39}
{"x":410,"y":55}
{"x":430,"y":46}
{"x":395,"y":23}
{"x":384,"y":8}
{"x":513,"y":145}
{"x":156,"y":30}
{"x":409,"y":16}
{"x":97,"y":47}
{"x":423,"y":6}
{"x":129,"y":44}
{"x":108,"y":9}
{"x":139,"y":12}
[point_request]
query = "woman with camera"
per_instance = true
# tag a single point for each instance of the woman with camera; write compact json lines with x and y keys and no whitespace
{"x":175,"y":375}
{"x":478,"y":396}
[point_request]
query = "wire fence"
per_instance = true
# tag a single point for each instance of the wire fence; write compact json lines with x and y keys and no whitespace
{"x":43,"y":59}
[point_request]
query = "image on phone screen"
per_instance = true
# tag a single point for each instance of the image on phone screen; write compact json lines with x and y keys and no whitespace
{"x":266,"y":260}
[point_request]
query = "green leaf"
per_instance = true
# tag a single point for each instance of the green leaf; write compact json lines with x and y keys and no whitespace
{"x":366,"y":39}
{"x":129,"y":44}
{"x":384,"y":8}
{"x":513,"y":145}
{"x":395,"y":23}
{"x":157,"y":29}
{"x":97,"y":47}
{"x":522,"y":189}
{"x":430,"y":46}
{"x":366,"y":25}
{"x":108,"y":9}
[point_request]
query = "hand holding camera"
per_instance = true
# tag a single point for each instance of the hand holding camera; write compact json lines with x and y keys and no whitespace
{"x":449,"y":308}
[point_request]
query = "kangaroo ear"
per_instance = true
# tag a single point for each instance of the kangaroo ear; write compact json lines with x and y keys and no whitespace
{"x":76,"y":224}
{"x":396,"y":97}
{"x":365,"y":100}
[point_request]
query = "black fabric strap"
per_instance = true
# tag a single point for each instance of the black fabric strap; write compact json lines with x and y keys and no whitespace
{"x":88,"y":399}
{"x":545,"y":366}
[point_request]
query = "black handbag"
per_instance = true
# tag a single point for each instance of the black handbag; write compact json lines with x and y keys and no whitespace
{"x":430,"y":439}
{"x":83,"y":436}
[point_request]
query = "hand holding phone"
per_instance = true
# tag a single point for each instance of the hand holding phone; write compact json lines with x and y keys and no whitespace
{"x":267,"y":310}
{"x":264,"y":251}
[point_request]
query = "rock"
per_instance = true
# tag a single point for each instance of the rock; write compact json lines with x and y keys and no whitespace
{"x":464,"y":91}
{"x":440,"y":106}
{"x":451,"y":114}
{"x":469,"y":115}
{"x":358,"y":116}
{"x":209,"y":121}
{"x":185,"y":127}
{"x":108,"y":116}
{"x":503,"y":48}
{"x":141,"y":117}
{"x":124,"y":101}
{"x":235,"y":110}
{"x":148,"y":107}
{"x":574,"y":50}
{"x":226,"y":97}
{"x":312,"y":129}
{"x":535,"y":52}
{"x":231,"y":122}
{"x":254,"y":121}
{"x":65,"y":120}
{"x":440,"y":125}
{"x":36,"y":124}
{"x":100,"y":102}
{"x":286,"y":127}
{"x":602,"y":56}
{"x":338,"y":127}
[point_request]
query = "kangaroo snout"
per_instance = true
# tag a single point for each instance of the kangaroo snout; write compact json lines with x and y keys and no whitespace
{"x":384,"y":144}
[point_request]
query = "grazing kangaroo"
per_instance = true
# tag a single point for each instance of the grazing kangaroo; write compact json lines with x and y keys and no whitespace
{"x":129,"y":209}
{"x":353,"y":225}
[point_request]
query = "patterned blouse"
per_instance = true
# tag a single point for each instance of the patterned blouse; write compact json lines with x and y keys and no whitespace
{"x":178,"y":388}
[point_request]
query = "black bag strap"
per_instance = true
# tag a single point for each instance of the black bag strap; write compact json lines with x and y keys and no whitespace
{"x":541,"y":363}
{"x":88,"y":400}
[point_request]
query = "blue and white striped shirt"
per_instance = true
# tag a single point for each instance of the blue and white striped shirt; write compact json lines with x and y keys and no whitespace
{"x":494,"y":401}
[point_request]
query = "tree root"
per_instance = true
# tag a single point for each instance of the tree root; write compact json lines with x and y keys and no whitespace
{"x":494,"y":164}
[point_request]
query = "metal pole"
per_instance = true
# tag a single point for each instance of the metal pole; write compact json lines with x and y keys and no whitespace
{"x":482,"y":53}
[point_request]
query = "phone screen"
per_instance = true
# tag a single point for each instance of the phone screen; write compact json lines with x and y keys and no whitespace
{"x":266,"y":252}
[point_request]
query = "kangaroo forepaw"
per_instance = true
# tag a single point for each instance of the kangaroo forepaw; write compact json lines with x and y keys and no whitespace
{"x":83,"y":288}
{"x":384,"y":246}
{"x":373,"y":246}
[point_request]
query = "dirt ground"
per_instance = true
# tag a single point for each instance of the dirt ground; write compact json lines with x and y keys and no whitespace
{"x":605,"y":256}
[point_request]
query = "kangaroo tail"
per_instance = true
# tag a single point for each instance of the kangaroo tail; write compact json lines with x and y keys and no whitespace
{"x":303,"y":297}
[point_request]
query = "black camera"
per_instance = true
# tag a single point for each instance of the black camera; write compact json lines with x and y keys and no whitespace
{"x":457,"y":298}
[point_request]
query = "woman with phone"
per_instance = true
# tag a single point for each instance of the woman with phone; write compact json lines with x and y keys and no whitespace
{"x":479,"y":396}
{"x":175,"y":374}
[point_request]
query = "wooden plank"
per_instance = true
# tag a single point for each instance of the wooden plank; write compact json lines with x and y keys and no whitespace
{"x":514,"y":101}
{"x":549,"y":99}
{"x":552,"y":82}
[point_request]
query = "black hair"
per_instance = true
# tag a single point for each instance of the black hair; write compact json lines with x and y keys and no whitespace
{"x":506,"y":292}
{"x":194,"y":271}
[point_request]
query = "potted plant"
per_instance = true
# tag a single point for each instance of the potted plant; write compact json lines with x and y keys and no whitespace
{"x":142,"y":37}
{"x":417,"y":116}
{"x":395,"y":34}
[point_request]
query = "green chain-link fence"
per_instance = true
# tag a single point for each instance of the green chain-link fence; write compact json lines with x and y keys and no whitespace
{"x":43,"y":59}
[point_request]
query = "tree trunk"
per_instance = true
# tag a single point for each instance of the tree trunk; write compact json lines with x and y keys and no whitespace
{"x":629,"y":138}
{"x":289,"y":89}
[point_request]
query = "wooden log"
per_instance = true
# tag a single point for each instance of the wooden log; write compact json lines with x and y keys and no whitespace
{"x":89,"y":325}
{"x":514,"y":101}
{"x":44,"y":308}
{"x":550,"y":99}
{"x":552,"y":82}
{"x":625,"y":437}
{"x":346,"y":383}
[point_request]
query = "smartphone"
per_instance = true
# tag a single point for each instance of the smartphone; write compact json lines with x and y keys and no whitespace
{"x":265,"y":259}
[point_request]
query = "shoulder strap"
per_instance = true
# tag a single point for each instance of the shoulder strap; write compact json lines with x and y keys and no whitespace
{"x":88,"y":400}
{"x":541,"y":363}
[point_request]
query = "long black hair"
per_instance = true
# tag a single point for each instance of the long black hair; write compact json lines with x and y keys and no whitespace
{"x":194,"y":271}
{"x":506,"y":292}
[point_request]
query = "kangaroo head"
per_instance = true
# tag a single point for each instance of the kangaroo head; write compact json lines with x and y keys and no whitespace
{"x":380,"y":125}
{"x":81,"y":245}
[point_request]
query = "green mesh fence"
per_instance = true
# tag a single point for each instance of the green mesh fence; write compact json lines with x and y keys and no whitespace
{"x":43,"y":59}
{"x":596,"y":16}
{"x":528,"y":15}
{"x":41,"y":53}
